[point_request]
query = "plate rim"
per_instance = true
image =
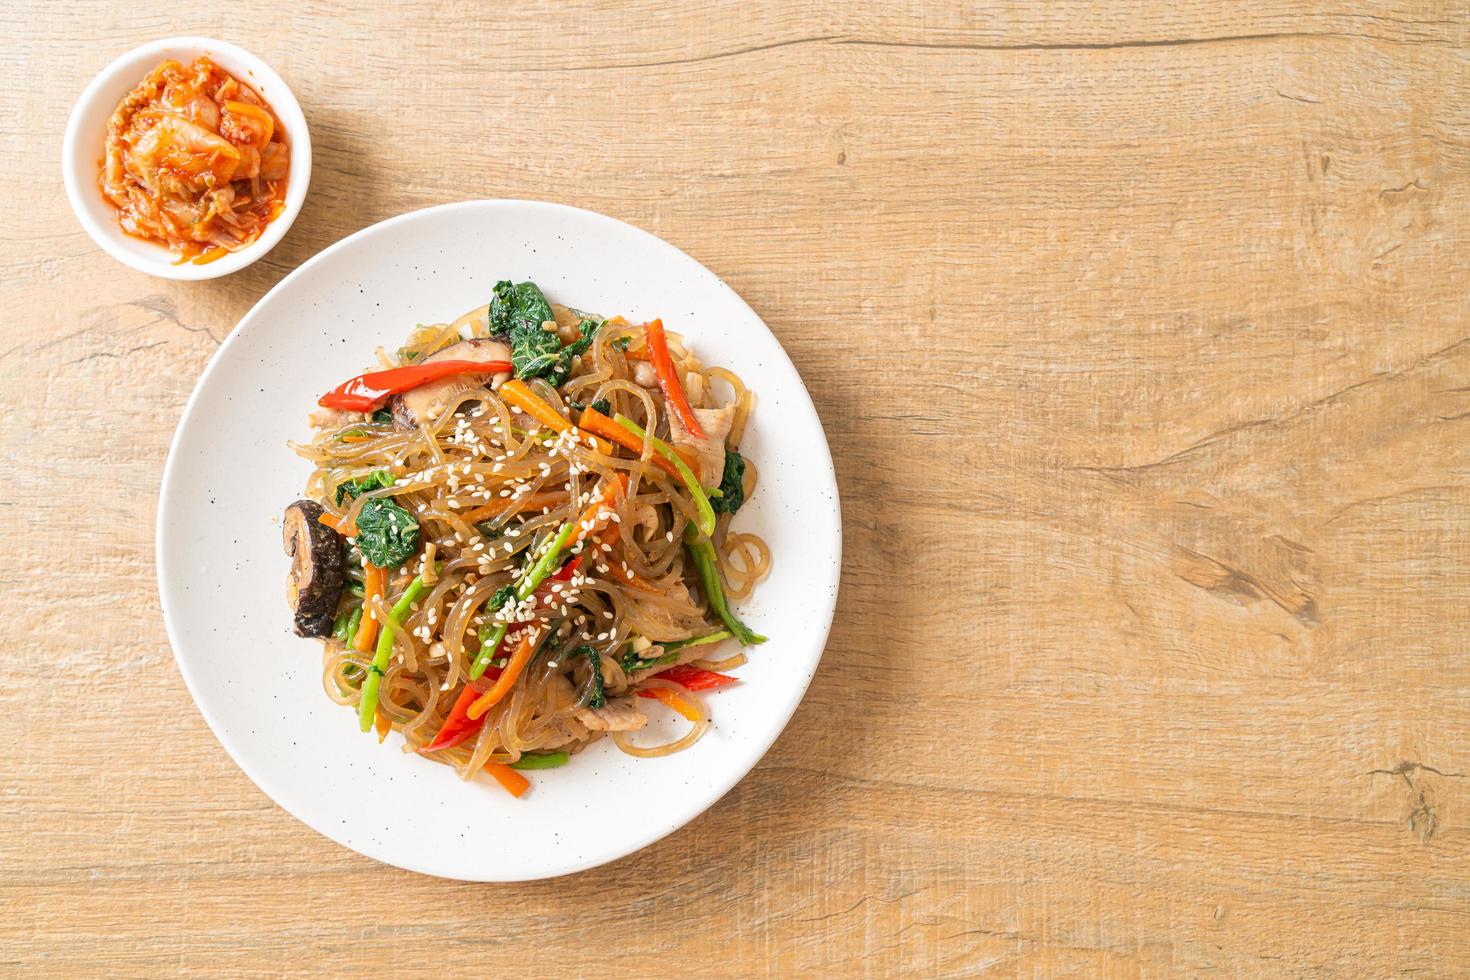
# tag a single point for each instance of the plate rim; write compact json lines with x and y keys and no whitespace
{"x":162,"y":536}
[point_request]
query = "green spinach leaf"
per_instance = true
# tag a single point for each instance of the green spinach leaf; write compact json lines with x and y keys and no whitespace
{"x":501,"y":596}
{"x":517,"y":311}
{"x":375,"y":480}
{"x":732,"y":485}
{"x":387,"y":534}
{"x":596,"y":698}
{"x":518,"y":306}
{"x":631,"y":661}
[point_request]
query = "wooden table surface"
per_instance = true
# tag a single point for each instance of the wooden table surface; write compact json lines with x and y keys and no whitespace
{"x":1141,"y":333}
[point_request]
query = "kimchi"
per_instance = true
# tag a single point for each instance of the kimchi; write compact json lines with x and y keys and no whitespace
{"x":196,"y":161}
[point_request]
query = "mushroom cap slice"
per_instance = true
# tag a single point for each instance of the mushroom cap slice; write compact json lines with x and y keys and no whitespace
{"x":428,"y":402}
{"x":314,"y":583}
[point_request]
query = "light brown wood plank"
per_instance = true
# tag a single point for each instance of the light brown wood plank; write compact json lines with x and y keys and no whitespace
{"x":1140,"y":336}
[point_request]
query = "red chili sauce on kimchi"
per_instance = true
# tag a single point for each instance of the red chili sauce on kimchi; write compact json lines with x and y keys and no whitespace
{"x":196,"y":161}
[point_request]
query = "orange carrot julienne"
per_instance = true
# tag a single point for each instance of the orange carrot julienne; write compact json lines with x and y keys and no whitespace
{"x":514,"y":782}
{"x":508,"y":677}
{"x":594,"y":421}
{"x":668,"y":378}
{"x":374,"y":580}
{"x":531,"y":501}
{"x":384,"y":725}
{"x":597,"y":514}
{"x":671,"y":699}
{"x":335,"y":523}
{"x":519,"y":394}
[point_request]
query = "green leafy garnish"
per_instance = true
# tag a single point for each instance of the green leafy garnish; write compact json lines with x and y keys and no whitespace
{"x":623,"y":343}
{"x":339,"y":627}
{"x":376,"y":480}
{"x":387,"y":534}
{"x":602,"y":406}
{"x":542,"y":760}
{"x":595,"y":696}
{"x":731,"y":494}
{"x":349,"y":632}
{"x":501,"y":596}
{"x":518,"y":310}
{"x":631,"y":661}
{"x":518,"y":306}
{"x":382,"y":417}
{"x":703,"y":554}
{"x":696,"y":641}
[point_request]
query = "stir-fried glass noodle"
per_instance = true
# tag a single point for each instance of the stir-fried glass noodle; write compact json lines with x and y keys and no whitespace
{"x":517,"y":536}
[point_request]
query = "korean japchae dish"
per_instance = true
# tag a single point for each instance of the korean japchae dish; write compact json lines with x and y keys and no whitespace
{"x":517,"y":536}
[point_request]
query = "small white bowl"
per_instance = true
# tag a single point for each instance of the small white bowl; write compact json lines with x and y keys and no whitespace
{"x":84,"y":149}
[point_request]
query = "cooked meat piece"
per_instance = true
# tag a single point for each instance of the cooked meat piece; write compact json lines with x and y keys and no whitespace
{"x":427,"y":402}
{"x":710,"y":451}
{"x":314,"y":584}
{"x":618,"y":715}
{"x":333,"y":418}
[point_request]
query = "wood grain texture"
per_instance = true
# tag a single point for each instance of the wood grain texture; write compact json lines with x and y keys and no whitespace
{"x":1141,"y":332}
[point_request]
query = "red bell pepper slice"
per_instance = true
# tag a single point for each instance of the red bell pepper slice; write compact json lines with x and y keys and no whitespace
{"x":696,"y":678}
{"x":367,"y":391}
{"x":668,"y":378}
{"x":459,"y":725}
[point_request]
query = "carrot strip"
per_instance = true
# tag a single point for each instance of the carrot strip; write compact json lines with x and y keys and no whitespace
{"x":594,"y":421}
{"x":671,"y":699}
{"x":600,"y":508}
{"x":519,"y":394}
{"x":335,"y":523}
{"x":384,"y":725}
{"x":531,"y":501}
{"x":514,"y":782}
{"x":507,"y":679}
{"x":668,"y":378}
{"x":374,"y":580}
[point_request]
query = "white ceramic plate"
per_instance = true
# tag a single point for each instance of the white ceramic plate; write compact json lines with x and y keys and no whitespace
{"x":221,"y":572}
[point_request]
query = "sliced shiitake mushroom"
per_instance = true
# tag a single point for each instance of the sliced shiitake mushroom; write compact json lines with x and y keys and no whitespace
{"x":314,"y":584}
{"x":427,"y":402}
